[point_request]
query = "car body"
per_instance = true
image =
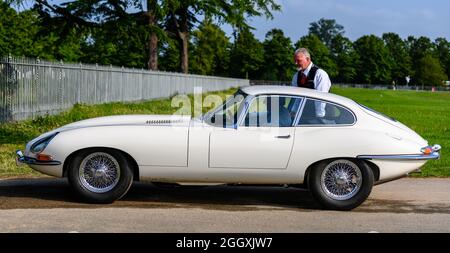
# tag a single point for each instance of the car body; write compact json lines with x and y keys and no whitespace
{"x":262,"y":135}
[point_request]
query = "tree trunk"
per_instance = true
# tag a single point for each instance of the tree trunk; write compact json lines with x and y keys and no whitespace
{"x":182,"y":33}
{"x":153,"y":52}
{"x":153,"y":40}
{"x":184,"y":53}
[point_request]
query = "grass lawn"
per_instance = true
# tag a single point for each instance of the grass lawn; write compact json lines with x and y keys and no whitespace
{"x":426,"y":113}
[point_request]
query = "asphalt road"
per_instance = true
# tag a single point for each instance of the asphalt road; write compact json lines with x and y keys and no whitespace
{"x":47,"y":205}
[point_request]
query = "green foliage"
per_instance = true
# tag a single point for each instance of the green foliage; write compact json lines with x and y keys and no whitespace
{"x":443,"y":53}
{"x":18,"y":32}
{"x":375,"y":62}
{"x":169,"y":56}
{"x":418,"y":49}
{"x":117,"y":43}
{"x":320,"y":54}
{"x":326,"y":30}
{"x":278,"y":55}
{"x":401,"y":61}
{"x":247,"y":56}
{"x":182,"y":17}
{"x":431,"y":72}
{"x":108,"y":33}
{"x":345,"y":57}
{"x":210,"y":51}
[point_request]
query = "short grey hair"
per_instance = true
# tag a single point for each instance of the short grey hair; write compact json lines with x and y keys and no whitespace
{"x":303,"y":51}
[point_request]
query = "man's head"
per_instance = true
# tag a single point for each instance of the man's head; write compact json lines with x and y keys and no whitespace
{"x":302,"y":58}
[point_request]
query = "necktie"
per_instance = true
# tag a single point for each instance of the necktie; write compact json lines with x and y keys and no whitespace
{"x":303,"y":80}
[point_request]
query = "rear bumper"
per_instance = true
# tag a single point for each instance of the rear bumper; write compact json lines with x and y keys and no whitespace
{"x":434,"y":154}
{"x":21,"y":159}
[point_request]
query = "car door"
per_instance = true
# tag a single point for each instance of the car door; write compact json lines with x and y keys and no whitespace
{"x":262,"y":139}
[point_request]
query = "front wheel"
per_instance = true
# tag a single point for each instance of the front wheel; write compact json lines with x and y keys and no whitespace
{"x":341,"y":184}
{"x":100,"y":175}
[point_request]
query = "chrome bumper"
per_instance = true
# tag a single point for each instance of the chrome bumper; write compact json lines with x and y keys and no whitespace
{"x":21,"y":159}
{"x":433,"y":154}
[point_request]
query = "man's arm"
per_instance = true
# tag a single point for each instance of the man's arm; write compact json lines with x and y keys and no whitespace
{"x":294,"y":80}
{"x":322,"y":81}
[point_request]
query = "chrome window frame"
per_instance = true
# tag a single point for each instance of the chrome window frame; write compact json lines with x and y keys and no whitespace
{"x":355,"y":118}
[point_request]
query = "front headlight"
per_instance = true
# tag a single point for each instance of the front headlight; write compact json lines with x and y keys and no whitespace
{"x":40,"y":145}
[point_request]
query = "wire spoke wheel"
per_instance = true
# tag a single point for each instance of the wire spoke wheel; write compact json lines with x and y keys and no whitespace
{"x":99,"y":172}
{"x":341,"y":180}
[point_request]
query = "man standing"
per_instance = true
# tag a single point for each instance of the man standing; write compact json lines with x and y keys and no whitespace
{"x":309,"y":75}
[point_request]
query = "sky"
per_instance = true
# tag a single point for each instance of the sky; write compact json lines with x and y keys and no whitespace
{"x":430,"y":18}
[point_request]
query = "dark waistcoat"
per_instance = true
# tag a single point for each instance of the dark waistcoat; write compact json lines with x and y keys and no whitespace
{"x":309,"y":79}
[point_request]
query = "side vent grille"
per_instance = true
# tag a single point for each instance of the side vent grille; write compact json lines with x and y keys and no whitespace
{"x":162,"y":122}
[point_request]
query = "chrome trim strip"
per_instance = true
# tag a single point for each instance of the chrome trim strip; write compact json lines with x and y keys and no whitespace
{"x":32,"y":161}
{"x":434,"y":155}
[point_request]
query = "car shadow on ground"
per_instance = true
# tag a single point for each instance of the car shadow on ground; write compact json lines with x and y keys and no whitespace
{"x":56,"y":193}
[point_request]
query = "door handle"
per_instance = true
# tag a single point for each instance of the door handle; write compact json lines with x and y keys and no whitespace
{"x":283,"y":136}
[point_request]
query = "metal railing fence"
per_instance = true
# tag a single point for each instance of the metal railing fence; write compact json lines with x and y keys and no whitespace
{"x":30,"y":87}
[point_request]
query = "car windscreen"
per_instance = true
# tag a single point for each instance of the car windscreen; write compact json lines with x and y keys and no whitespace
{"x":226,"y":115}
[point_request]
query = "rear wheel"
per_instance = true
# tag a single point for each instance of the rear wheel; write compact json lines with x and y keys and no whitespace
{"x":341,"y":184}
{"x":100,"y":175}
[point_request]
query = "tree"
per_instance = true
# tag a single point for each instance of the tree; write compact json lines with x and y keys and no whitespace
{"x":169,"y":56}
{"x":320,"y":54}
{"x":17,"y":31}
{"x":278,"y":55}
{"x":247,"y":56}
{"x":401,"y":66}
{"x":179,"y":15}
{"x":443,"y":53}
{"x":211,"y":50}
{"x":155,"y":13}
{"x":27,"y":33}
{"x":183,"y":14}
{"x":430,"y":73}
{"x":326,"y":30}
{"x":418,"y":48}
{"x":77,"y":19}
{"x":345,"y":57}
{"x":118,"y":42}
{"x":375,"y":62}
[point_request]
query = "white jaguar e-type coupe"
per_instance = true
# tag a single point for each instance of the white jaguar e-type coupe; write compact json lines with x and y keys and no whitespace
{"x":262,"y":135}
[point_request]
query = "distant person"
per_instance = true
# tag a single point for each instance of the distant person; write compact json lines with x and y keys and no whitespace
{"x":310,"y":76}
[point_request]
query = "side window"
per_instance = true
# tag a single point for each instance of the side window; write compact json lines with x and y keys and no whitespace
{"x":272,"y":111}
{"x":316,"y":112}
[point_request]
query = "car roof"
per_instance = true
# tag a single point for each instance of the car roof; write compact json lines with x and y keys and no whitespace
{"x":296,"y":91}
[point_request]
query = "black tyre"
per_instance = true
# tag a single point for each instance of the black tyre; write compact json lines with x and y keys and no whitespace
{"x":100,"y":175}
{"x":341,"y":184}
